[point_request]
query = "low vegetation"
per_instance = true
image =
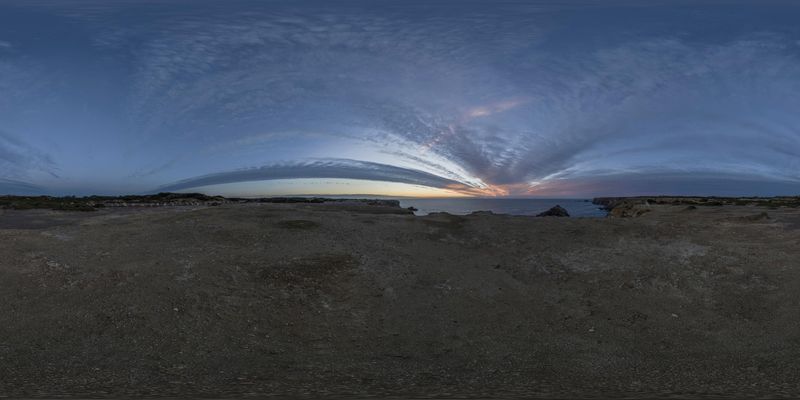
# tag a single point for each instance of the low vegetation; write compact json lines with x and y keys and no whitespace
{"x":637,"y":206}
{"x":92,"y":203}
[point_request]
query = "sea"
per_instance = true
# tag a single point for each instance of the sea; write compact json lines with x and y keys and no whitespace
{"x":463,"y":206}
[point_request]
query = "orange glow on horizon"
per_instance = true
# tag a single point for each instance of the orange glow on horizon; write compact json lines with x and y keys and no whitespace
{"x":329,"y":187}
{"x":354,"y":187}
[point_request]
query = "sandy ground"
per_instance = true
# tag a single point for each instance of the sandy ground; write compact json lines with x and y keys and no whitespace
{"x":292,"y":299}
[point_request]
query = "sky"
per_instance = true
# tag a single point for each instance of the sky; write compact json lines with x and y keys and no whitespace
{"x":400,"y":98}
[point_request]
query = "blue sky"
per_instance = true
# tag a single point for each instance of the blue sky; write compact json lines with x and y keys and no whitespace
{"x":516,"y":98}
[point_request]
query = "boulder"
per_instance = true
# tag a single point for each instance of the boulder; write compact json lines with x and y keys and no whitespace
{"x":755,"y":217}
{"x":481,"y":212}
{"x":629,"y":210}
{"x":556,"y":211}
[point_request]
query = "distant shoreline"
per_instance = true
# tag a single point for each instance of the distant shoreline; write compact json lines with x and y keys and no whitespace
{"x":623,"y":204}
{"x":92,"y":203}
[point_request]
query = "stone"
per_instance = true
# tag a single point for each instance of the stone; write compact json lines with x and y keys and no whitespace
{"x":556,"y":211}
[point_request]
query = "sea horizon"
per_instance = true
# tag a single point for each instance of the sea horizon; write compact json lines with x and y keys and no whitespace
{"x":502,"y":205}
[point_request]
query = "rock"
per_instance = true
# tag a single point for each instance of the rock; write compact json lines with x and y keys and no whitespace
{"x":756,"y":217}
{"x":412,"y":209}
{"x":628,"y":210}
{"x":481,"y":212}
{"x":556,"y":211}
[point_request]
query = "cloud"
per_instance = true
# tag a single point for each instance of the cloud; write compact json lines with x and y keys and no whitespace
{"x":726,"y":107}
{"x":500,"y":99}
{"x":19,"y":159}
{"x":21,"y":83}
{"x":666,"y":182}
{"x":198,"y":69}
{"x":635,"y":95}
{"x":328,"y":168}
{"x":14,"y":187}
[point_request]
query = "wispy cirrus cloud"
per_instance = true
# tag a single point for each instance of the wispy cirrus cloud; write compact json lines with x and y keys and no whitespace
{"x":499,"y":99}
{"x":656,"y":181}
{"x":15,"y":187}
{"x":21,"y":82}
{"x":260,"y":66}
{"x":662,"y":100}
{"x":19,"y":159}
{"x":636,"y":96}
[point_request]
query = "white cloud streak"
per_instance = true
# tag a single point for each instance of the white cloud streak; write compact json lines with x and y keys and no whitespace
{"x":330,"y":168}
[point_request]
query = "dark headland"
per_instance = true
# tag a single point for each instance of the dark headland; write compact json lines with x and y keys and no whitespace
{"x":635,"y":206}
{"x":166,"y":199}
{"x":194,"y":295}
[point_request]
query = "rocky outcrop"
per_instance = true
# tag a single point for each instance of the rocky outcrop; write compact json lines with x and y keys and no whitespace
{"x":629,"y":210}
{"x":556,"y":211}
{"x":481,"y":212}
{"x":637,"y":206}
{"x":609,"y":203}
{"x":368,"y":202}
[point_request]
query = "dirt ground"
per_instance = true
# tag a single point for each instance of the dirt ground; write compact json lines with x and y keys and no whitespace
{"x":312,"y":300}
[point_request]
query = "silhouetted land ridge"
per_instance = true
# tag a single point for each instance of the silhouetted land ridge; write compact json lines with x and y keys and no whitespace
{"x":775,"y":201}
{"x":625,"y":205}
{"x":166,"y":199}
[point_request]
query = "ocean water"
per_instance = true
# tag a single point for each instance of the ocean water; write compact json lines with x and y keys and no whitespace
{"x":462,"y":206}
